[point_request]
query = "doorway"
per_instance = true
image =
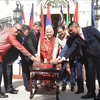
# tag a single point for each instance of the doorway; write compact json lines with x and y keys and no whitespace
{"x":55,"y":20}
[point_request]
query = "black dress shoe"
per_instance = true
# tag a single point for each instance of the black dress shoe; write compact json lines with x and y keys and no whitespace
{"x":72,"y":88}
{"x":98,"y":97}
{"x":2,"y":95}
{"x":13,"y":91}
{"x":63,"y":88}
{"x":78,"y":92}
{"x":88,"y":95}
{"x":27,"y":89}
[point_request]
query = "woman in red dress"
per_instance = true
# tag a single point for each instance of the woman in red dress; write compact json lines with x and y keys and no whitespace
{"x":47,"y":46}
{"x":46,"y":50}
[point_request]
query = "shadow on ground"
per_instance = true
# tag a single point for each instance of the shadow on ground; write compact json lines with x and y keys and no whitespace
{"x":16,"y":84}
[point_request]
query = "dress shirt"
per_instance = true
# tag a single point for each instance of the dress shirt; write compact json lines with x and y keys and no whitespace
{"x":23,"y":38}
{"x":83,"y":38}
{"x":81,"y":34}
{"x":59,"y":44}
{"x":7,"y":40}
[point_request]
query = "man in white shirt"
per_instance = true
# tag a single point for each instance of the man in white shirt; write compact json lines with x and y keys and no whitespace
{"x":60,"y":42}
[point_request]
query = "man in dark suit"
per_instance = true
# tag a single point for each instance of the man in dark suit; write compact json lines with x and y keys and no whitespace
{"x":31,"y":44}
{"x":33,"y":38}
{"x":89,"y":39}
{"x":76,"y":62}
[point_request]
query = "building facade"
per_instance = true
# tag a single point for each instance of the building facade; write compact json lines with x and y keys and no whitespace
{"x":84,"y":15}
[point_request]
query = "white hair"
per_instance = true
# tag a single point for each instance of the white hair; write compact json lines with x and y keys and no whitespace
{"x":49,"y":27}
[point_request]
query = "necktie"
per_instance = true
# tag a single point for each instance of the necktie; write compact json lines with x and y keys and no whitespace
{"x":80,"y":35}
{"x":23,"y":38}
{"x":86,"y":43}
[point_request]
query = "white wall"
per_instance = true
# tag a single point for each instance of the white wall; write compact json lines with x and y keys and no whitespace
{"x":84,"y":10}
{"x":84,"y":13}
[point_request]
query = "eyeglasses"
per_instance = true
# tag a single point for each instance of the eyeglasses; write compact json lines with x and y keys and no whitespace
{"x":18,"y":30}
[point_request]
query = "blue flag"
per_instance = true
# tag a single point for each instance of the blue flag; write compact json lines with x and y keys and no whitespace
{"x":61,"y":18}
{"x":48,"y":17}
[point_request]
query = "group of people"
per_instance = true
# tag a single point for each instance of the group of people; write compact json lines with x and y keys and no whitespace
{"x":80,"y":47}
{"x":16,"y":41}
{"x":87,"y":40}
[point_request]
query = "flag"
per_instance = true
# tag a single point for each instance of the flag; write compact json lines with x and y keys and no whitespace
{"x":42,"y":32}
{"x":42,"y":21}
{"x":92,"y":14}
{"x":48,"y":17}
{"x":31,"y":18}
{"x":61,"y":18}
{"x":64,"y":23}
{"x":76,"y":16}
{"x":68,"y":15}
{"x":22,"y":20}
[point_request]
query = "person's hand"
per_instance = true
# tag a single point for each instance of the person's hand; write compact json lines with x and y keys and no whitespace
{"x":60,"y":60}
{"x":45,"y":61}
{"x":32,"y":58}
{"x":56,"y":60}
{"x":38,"y":59}
{"x":52,"y":61}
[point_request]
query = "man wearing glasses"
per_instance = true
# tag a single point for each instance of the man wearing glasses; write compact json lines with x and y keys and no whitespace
{"x":8,"y":38}
{"x":13,"y":54}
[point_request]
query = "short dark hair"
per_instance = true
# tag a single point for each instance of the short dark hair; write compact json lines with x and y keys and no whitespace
{"x":38,"y":23}
{"x":73,"y":23}
{"x":60,"y":26}
{"x":25,"y":27}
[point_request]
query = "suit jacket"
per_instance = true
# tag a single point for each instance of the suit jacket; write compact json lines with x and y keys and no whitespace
{"x":91,"y":45}
{"x":31,"y":42}
{"x":69,"y":43}
{"x":63,"y":51}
